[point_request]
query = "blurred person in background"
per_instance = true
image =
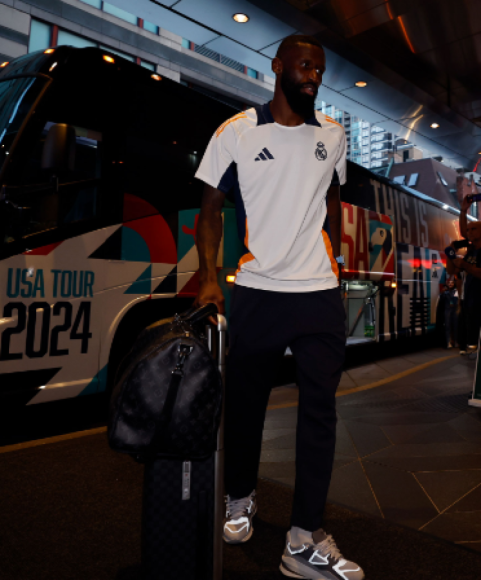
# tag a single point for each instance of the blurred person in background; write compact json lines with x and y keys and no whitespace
{"x":471,"y":266}
{"x":450,"y":299}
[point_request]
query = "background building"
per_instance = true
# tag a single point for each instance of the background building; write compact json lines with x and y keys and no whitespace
{"x":31,"y":25}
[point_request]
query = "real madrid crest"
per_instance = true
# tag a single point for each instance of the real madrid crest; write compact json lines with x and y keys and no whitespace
{"x":321,"y":152}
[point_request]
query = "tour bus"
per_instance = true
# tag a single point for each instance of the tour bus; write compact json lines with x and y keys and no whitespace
{"x":98,"y":217}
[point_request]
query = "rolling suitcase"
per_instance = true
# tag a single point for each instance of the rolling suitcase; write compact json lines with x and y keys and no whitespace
{"x":183,"y":505}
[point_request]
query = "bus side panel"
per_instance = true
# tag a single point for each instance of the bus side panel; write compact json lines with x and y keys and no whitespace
{"x":51,"y":320}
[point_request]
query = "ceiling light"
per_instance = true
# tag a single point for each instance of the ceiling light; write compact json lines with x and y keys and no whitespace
{"x":434,"y":125}
{"x":445,"y":206}
{"x":241,"y":18}
{"x":4,"y":64}
{"x":48,"y":51}
{"x":52,"y":67}
{"x":108,"y":58}
{"x":361,"y":84}
{"x":156,"y":77}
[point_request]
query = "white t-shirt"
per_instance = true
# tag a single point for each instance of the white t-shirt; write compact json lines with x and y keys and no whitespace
{"x":280,"y":176}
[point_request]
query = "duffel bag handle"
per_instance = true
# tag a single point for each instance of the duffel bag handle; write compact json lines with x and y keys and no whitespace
{"x":194,"y":315}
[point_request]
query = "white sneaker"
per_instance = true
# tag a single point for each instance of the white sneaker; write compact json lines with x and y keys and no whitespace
{"x":321,"y":561}
{"x":238,"y":519}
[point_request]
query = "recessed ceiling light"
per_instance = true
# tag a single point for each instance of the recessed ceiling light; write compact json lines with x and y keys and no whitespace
{"x":241,"y":18}
{"x":361,"y":84}
{"x":156,"y":77}
{"x":48,"y":51}
{"x":4,"y":64}
{"x":108,"y":59}
{"x":434,"y":125}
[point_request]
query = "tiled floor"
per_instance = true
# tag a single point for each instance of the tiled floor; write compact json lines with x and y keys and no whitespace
{"x":408,"y":450}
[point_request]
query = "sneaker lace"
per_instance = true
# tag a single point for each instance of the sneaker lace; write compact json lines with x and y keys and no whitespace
{"x":237,"y":507}
{"x":329,"y":547}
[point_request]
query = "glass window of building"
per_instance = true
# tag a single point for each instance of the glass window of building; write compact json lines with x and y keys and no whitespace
{"x":70,"y":39}
{"x":123,"y":14}
{"x":413,"y":179}
{"x":151,"y":27}
{"x":329,"y":110}
{"x":441,"y":177}
{"x":399,"y":179}
{"x":40,"y":35}
{"x":122,"y":54}
{"x":94,"y":3}
{"x":147,"y":65}
{"x":185,"y":43}
{"x":251,"y":73}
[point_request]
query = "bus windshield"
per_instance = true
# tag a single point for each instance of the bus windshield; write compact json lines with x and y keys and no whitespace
{"x":16,"y":99}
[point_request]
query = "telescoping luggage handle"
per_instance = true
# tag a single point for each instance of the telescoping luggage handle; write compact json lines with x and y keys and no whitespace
{"x":197,"y":315}
{"x":218,"y":543}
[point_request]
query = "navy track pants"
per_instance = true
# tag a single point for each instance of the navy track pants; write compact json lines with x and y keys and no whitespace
{"x":262,"y":325}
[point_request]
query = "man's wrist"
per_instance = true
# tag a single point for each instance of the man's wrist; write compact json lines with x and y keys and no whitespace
{"x":209,"y":277}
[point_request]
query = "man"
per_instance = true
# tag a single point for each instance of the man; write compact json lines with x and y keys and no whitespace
{"x":471,"y":264}
{"x":279,"y":159}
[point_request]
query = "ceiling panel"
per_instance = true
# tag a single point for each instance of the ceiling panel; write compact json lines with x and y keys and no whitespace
{"x":261,"y":30}
{"x":167,"y":19}
{"x":331,"y":96}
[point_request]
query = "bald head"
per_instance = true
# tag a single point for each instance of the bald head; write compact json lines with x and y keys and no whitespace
{"x":296,"y":40}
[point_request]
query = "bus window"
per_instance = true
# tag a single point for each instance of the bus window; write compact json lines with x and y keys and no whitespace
{"x":155,"y":144}
{"x":75,"y":199}
{"x":16,"y":99}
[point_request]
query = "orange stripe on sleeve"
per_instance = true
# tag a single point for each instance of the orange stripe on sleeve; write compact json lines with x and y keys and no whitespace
{"x":229,"y":121}
{"x":330,"y":253}
{"x":330,"y":120}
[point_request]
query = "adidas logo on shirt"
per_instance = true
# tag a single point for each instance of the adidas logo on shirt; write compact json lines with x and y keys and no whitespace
{"x":264,"y":155}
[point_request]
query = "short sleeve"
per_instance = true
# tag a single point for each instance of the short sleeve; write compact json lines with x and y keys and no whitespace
{"x":218,"y":164}
{"x":340,"y":168}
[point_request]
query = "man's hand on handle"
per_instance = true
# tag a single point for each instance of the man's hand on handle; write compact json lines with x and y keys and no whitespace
{"x":210,"y":292}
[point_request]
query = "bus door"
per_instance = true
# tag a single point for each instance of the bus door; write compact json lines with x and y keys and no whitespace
{"x":49,"y":331}
{"x":368,"y":249}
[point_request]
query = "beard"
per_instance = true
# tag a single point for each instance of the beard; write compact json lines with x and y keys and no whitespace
{"x":301,"y":103}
